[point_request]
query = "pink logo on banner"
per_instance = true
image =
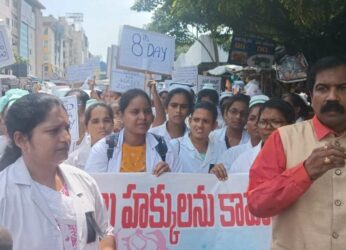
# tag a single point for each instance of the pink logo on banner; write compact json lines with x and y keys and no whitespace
{"x":140,"y":240}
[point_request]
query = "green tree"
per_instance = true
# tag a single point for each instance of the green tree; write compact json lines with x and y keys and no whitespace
{"x":315,"y":27}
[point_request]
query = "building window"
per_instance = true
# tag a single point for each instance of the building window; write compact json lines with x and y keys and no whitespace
{"x":45,"y":43}
{"x":46,"y":31}
{"x":7,"y":2}
{"x":8,"y":22}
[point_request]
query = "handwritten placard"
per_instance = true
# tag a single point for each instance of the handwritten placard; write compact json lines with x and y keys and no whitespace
{"x":79,"y":73}
{"x":6,"y":53}
{"x":71,"y":106}
{"x":123,"y":80}
{"x":146,"y":51}
{"x":210,"y":80}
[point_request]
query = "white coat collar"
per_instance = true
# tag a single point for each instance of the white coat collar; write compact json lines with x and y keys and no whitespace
{"x":149,"y":140}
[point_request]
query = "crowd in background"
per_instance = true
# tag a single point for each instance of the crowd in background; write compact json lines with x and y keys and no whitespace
{"x":170,"y":130}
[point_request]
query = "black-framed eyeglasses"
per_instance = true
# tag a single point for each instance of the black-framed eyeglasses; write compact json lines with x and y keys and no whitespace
{"x":272,"y":123}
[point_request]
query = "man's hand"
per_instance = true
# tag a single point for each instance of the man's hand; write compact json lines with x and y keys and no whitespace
{"x":220,"y":171}
{"x":160,"y":168}
{"x":323,"y":159}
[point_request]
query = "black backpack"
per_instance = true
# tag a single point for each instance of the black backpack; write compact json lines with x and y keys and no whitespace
{"x":161,"y":148}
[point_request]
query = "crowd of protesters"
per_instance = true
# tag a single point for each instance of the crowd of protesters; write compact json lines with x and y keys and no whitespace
{"x":45,"y":180}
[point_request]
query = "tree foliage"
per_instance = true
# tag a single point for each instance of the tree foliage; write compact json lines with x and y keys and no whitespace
{"x":314,"y":27}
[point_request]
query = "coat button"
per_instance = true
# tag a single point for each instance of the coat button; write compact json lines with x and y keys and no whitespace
{"x":335,"y":235}
{"x":338,"y":203}
{"x":338,"y":171}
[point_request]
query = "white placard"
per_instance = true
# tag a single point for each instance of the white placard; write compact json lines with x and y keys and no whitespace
{"x":186,"y":74}
{"x":123,"y":80}
{"x":146,"y":51}
{"x":215,"y":81}
{"x":79,"y":73}
{"x":71,"y":106}
{"x":6,"y":53}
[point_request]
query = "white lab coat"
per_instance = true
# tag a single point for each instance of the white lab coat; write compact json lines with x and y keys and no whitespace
{"x":98,"y":160}
{"x":26,"y":214}
{"x":162,"y":130}
{"x":244,"y":162}
{"x":3,"y":144}
{"x":231,"y":154}
{"x":79,"y":157}
{"x":191,"y":160}
{"x":218,"y":136}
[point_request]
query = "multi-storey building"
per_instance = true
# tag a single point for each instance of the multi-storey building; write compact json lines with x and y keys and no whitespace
{"x":22,"y":18}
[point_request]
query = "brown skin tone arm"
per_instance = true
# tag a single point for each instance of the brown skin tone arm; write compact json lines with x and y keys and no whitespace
{"x":160,"y":116}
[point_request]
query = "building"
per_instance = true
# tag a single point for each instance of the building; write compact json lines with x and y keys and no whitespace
{"x":23,"y":18}
{"x":52,"y":49}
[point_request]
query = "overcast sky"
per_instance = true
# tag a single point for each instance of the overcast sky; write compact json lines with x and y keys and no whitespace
{"x":102,"y":19}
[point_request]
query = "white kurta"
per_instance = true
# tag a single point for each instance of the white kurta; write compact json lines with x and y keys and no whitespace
{"x":191,"y":160}
{"x":98,"y":161}
{"x":25,"y":212}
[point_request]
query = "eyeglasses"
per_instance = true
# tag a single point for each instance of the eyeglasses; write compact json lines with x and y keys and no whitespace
{"x":272,"y":123}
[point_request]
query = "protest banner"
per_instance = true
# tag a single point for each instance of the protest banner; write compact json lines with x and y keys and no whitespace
{"x":71,"y":106}
{"x":212,"y":80}
{"x":145,"y":51}
{"x":123,"y":80}
{"x":182,"y":211}
{"x":6,"y":53}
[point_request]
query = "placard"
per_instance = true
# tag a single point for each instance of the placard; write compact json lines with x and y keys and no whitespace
{"x":71,"y":106}
{"x":6,"y":53}
{"x":182,"y":211}
{"x":186,"y":75}
{"x":79,"y":73}
{"x":212,"y":80}
{"x":145,"y":51}
{"x":123,"y":80}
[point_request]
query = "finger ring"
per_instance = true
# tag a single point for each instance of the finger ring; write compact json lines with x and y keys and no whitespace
{"x":327,"y":160}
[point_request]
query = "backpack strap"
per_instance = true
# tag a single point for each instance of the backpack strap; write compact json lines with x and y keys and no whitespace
{"x":161,"y":148}
{"x":112,"y":141}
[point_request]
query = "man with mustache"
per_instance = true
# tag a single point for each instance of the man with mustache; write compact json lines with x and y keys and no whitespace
{"x":299,"y":177}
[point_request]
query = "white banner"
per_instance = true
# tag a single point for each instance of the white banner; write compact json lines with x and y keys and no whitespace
{"x":146,"y":51}
{"x":123,"y":80}
{"x":182,"y":211}
{"x":71,"y":106}
{"x":6,"y":53}
{"x":214,"y":81}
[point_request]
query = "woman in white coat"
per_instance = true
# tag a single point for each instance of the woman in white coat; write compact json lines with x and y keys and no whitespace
{"x":43,"y":203}
{"x":98,"y":121}
{"x":134,"y":149}
{"x":179,"y":104}
{"x":196,"y":152}
{"x":235,"y":114}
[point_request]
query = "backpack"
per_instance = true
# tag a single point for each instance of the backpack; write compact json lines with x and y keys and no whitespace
{"x":161,"y":148}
